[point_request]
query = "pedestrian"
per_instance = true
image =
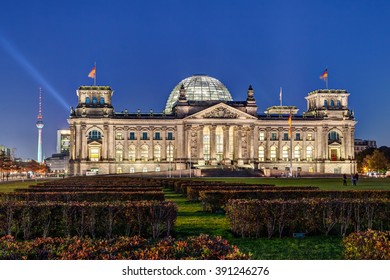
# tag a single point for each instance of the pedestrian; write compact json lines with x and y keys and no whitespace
{"x":356,"y":178}
{"x":344,"y":179}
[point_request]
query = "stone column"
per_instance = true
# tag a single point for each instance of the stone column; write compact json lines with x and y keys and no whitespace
{"x":318,"y":144}
{"x":213,"y":152}
{"x":225,"y":130}
{"x":151,"y":143}
{"x":111,"y":142}
{"x":255,"y":146}
{"x":126,"y":143}
{"x":179,"y":146}
{"x":267,"y":152}
{"x":280,"y":148}
{"x":200,"y":145}
{"x":164,"y":144}
{"x":105,"y":142}
{"x":239,"y":145}
{"x":251,"y":141}
{"x":84,"y":146}
{"x":138,"y":143}
{"x":77,"y":143}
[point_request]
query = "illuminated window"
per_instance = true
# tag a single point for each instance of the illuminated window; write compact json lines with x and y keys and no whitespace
{"x":219,"y":143}
{"x":261,"y":153}
{"x":309,"y":153}
{"x":131,"y":153}
{"x":285,"y":153}
{"x":261,"y":136}
{"x":119,"y":136}
{"x":144,"y":153}
{"x":157,"y":153}
{"x":297,"y":153}
{"x":94,"y":154}
{"x":132,"y":170}
{"x":309,"y":136}
{"x":273,"y":153}
{"x":170,"y":152}
{"x":119,"y":154}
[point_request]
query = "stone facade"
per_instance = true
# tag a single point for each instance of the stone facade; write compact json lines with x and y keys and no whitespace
{"x":208,"y":134}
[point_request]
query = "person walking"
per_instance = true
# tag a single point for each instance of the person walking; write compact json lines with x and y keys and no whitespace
{"x":344,"y":179}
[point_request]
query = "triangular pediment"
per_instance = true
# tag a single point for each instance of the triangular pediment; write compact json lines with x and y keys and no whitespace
{"x":221,"y":111}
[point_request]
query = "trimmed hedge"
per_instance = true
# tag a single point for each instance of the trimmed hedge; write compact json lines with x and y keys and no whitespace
{"x":202,"y":247}
{"x":31,"y":189}
{"x":193,"y":192}
{"x":367,"y":245}
{"x":216,"y":200}
{"x":82,"y":196}
{"x":260,"y":218}
{"x":30,"y":219}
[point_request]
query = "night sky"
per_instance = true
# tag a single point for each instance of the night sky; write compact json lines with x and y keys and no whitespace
{"x":144,"y":48}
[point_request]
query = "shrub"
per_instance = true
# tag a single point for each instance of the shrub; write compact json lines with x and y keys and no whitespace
{"x":201,"y":247}
{"x":367,"y":245}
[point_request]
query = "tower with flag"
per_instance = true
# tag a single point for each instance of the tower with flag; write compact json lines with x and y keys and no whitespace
{"x":324,"y":76}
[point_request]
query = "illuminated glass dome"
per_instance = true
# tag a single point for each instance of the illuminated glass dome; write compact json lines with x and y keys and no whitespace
{"x":199,"y":88}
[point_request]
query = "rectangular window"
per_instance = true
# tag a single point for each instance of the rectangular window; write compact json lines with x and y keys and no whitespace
{"x":309,"y":137}
{"x":157,"y":136}
{"x":285,"y":136}
{"x":261,"y":136}
{"x":132,"y":136}
{"x":119,"y":136}
{"x":273,"y":136}
{"x":170,"y":136}
{"x":297,"y":136}
{"x":144,"y":136}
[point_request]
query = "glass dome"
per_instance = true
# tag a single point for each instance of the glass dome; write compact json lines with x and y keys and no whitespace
{"x":199,"y":88}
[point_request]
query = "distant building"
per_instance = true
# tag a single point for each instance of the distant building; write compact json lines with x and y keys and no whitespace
{"x":361,"y":145}
{"x":202,"y":127}
{"x":63,"y":141}
{"x":4,"y":151}
{"x":58,"y":163}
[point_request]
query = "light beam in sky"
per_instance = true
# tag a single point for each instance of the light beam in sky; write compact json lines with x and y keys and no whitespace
{"x":17,"y":55}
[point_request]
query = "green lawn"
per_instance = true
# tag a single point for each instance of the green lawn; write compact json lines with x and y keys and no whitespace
{"x":11,"y":186}
{"x":192,"y":221}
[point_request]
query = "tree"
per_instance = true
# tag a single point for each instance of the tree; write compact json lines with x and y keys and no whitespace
{"x":377,"y":162}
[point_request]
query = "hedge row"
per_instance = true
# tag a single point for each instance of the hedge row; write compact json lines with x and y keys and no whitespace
{"x":89,"y":189}
{"x":193,"y":192}
{"x":202,"y":247}
{"x":96,"y":196}
{"x":367,"y":245}
{"x":106,"y":181}
{"x":214,"y":200}
{"x":259,"y":218}
{"x":31,"y":219}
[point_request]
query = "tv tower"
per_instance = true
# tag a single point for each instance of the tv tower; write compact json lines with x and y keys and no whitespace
{"x":40,"y":125}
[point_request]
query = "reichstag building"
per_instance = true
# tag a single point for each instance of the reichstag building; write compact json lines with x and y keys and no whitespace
{"x":203,"y":127}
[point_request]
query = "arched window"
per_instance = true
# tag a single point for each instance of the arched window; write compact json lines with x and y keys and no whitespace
{"x":261,"y":153}
{"x":157,"y":153}
{"x":309,"y":153}
{"x":131,"y":153}
{"x":333,"y":136}
{"x":325,"y":103}
{"x":144,"y":152}
{"x":94,"y":100}
{"x":331,"y":103}
{"x":102,"y":100}
{"x":338,"y":103}
{"x":87,"y":100}
{"x":170,"y":152}
{"x":297,"y":153}
{"x":273,"y":153}
{"x":119,"y":153}
{"x":94,"y":135}
{"x":285,"y":153}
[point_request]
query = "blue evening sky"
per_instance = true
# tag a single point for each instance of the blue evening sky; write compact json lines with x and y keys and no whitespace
{"x":144,"y":48}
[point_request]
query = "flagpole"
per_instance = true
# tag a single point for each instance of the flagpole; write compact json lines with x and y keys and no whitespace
{"x":94,"y":78}
{"x":281,"y":96}
{"x":291,"y":153}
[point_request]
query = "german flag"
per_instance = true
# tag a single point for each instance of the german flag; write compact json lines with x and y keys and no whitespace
{"x":92,"y":74}
{"x":324,"y":75}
